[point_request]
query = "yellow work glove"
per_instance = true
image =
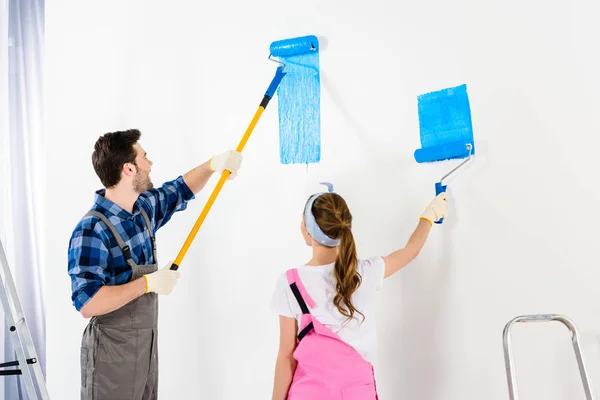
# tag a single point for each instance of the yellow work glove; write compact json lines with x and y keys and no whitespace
{"x":437,"y":209}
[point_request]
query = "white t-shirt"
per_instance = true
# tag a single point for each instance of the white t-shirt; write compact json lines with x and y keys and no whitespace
{"x":319,"y":282}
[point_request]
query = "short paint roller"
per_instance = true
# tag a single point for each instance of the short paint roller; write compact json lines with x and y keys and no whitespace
{"x":444,"y":152}
{"x":281,"y":48}
{"x":440,"y":187}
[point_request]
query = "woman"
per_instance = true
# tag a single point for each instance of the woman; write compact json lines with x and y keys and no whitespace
{"x":327,"y":326}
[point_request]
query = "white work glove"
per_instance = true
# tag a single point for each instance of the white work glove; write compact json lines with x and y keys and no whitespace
{"x":230,"y":160}
{"x":162,"y":281}
{"x":437,"y":209}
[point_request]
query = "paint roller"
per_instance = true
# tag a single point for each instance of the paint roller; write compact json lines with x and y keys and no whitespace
{"x":281,"y":48}
{"x":445,"y":152}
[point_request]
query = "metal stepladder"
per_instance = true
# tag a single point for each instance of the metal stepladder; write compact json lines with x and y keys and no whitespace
{"x":21,"y":337}
{"x":508,"y":358}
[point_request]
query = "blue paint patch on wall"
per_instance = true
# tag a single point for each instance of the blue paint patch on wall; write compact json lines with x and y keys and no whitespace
{"x":445,"y":125}
{"x":299,"y":104}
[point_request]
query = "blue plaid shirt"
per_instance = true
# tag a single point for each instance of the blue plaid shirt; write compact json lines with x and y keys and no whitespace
{"x":95,"y":258}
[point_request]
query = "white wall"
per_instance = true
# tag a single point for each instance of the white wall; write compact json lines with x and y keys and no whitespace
{"x":521,"y":237}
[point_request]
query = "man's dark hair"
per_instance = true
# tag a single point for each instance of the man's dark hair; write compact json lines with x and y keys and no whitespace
{"x":111,"y":151}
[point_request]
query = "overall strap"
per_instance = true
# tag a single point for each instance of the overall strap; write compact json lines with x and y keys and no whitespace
{"x":124,"y":247}
{"x":149,"y":227}
{"x":304,"y":300}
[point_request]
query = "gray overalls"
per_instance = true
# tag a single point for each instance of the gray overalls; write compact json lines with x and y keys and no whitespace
{"x":119,"y":350}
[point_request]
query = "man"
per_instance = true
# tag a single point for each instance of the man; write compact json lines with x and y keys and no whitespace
{"x":112,"y":264}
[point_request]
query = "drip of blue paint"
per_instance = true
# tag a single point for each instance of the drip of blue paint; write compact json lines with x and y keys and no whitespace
{"x":299,"y":103}
{"x":445,"y":125}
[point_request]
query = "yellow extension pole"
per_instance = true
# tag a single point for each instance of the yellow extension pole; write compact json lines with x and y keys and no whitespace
{"x":276,"y":80}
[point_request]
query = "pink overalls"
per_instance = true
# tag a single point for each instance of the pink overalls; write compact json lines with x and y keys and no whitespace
{"x":328,"y":368}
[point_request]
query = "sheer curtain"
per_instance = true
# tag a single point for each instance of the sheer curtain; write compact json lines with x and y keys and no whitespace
{"x":21,"y":188}
{"x":4,"y":150}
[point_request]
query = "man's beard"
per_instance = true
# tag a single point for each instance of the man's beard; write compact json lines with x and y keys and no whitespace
{"x":141,"y":183}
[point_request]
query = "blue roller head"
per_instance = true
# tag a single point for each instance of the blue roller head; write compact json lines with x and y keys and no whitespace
{"x":441,"y":152}
{"x":294,"y":46}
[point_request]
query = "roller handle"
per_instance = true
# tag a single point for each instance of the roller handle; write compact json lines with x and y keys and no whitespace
{"x":279,"y":74}
{"x":439,"y":188}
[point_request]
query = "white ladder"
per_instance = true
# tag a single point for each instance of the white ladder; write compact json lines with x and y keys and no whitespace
{"x":510,"y":367}
{"x":27,"y":359}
